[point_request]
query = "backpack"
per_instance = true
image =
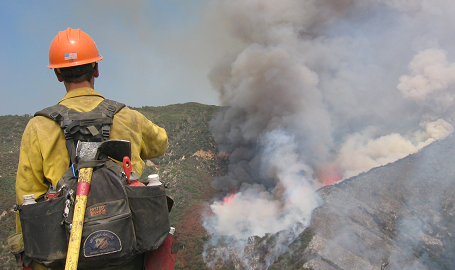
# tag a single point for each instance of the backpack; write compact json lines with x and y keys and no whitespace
{"x":120,"y":222}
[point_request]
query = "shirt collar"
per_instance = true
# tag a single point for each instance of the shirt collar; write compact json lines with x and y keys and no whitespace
{"x":83,"y":91}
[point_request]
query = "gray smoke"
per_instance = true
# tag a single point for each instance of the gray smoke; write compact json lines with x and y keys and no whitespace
{"x":321,"y":91}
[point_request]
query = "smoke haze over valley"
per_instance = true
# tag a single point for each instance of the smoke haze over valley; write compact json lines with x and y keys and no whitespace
{"x":321,"y":91}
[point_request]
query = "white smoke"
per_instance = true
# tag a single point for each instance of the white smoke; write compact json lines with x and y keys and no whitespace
{"x":360,"y":153}
{"x":432,"y":82}
{"x":253,"y":210}
{"x":322,"y":87}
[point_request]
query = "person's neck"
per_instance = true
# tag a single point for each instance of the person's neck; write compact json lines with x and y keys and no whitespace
{"x":71,"y":86}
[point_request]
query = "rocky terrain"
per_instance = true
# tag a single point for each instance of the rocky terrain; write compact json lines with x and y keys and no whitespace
{"x":398,"y":216}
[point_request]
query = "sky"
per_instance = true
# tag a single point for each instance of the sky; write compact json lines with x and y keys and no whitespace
{"x":155,"y":53}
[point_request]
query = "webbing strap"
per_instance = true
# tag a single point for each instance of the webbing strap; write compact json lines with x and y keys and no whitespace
{"x":71,"y":150}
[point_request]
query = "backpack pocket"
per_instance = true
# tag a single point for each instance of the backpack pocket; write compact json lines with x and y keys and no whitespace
{"x":45,"y":238}
{"x":148,"y":205}
{"x":107,"y":240}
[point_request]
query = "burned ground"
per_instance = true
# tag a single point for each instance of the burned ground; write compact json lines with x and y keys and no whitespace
{"x":400,"y":215}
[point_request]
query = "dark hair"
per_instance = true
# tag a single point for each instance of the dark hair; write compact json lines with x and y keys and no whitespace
{"x":78,"y":74}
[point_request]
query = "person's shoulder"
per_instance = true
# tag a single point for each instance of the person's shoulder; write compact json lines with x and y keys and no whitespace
{"x":38,"y":119}
{"x":130,"y":112}
{"x":40,"y":125}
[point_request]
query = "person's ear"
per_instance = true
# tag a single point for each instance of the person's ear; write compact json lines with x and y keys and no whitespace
{"x":59,"y":76}
{"x":96,"y":72}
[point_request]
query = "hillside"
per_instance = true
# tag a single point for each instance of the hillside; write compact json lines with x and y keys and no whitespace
{"x":394,"y":217}
{"x":188,"y":167}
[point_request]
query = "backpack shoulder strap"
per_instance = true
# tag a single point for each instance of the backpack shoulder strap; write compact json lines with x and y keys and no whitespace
{"x":110,"y":107}
{"x":59,"y":114}
{"x":55,"y":112}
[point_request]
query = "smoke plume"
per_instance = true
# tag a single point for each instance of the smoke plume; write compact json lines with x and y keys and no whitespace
{"x":321,"y":91}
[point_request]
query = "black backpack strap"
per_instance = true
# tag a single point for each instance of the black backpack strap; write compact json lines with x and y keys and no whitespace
{"x":59,"y":114}
{"x":55,"y":112}
{"x":109,"y":108}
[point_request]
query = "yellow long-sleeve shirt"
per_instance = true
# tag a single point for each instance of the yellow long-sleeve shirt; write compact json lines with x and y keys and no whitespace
{"x":44,"y":157}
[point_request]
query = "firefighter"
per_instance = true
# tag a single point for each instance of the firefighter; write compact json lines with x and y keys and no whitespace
{"x":43,"y":153}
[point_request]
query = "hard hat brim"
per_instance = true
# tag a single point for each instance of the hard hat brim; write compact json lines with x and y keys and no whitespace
{"x":75,"y":63}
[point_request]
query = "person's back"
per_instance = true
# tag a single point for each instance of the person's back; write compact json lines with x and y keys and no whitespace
{"x":43,"y":153}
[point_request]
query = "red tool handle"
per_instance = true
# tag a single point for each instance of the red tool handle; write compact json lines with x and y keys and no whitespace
{"x":127,"y":166}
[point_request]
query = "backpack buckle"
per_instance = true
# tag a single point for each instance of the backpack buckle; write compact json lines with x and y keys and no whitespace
{"x":68,"y":136}
{"x":106,"y":131}
{"x":54,"y":115}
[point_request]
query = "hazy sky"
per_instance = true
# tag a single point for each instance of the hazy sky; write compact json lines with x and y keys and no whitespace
{"x":155,"y":52}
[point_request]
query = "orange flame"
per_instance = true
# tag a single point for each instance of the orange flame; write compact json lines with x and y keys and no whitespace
{"x":330,"y":174}
{"x":228,"y":199}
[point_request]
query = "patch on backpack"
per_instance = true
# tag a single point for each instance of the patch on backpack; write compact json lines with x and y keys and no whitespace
{"x":101,"y":243}
{"x":97,"y":211}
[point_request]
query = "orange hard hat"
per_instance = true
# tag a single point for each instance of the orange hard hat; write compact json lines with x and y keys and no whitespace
{"x":72,"y":47}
